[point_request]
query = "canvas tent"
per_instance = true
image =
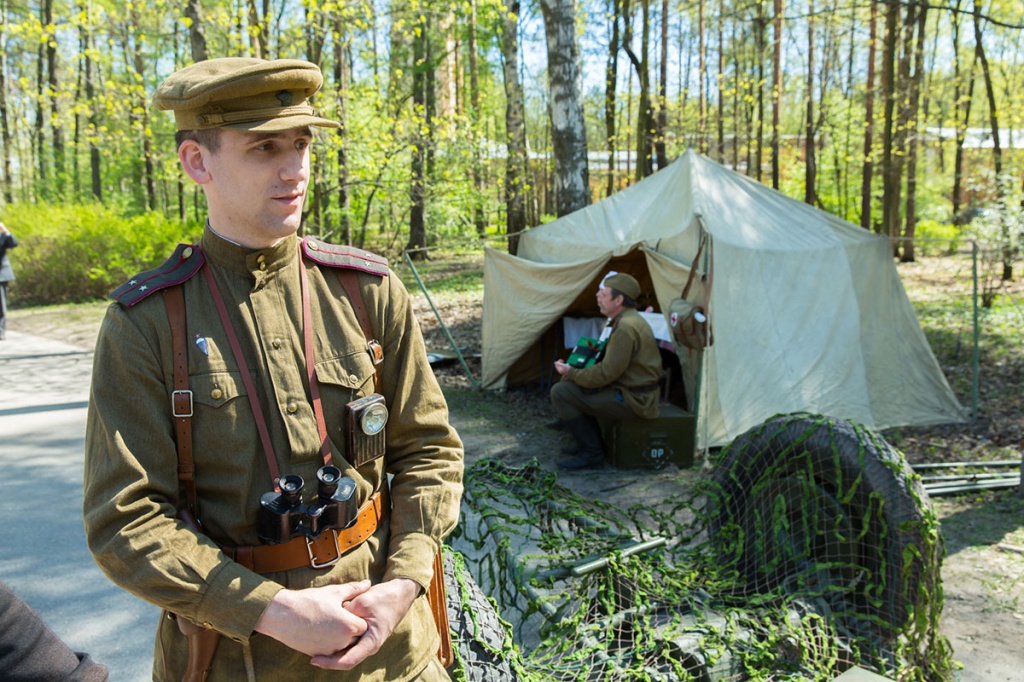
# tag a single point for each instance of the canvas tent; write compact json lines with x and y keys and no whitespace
{"x":808,"y":310}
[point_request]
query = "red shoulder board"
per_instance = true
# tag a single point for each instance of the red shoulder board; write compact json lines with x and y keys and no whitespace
{"x":183,"y":263}
{"x":344,"y":257}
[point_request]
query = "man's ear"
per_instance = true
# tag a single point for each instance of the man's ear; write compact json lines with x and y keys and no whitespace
{"x":193,"y":157}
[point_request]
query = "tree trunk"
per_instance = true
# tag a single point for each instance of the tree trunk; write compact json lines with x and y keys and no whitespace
{"x":315,"y":28}
{"x":515,"y":126}
{"x":810,"y":170}
{"x":759,"y":146}
{"x":702,"y":101}
{"x":660,"y":144}
{"x":197,"y":39}
{"x":320,"y":201}
{"x":644,"y":119}
{"x":611,"y":80}
{"x":890,"y":169}
{"x":40,"y":131}
{"x":148,"y":172}
{"x":418,"y":165}
{"x":776,"y":91}
{"x":736,"y":61}
{"x":568,"y":127}
{"x":912,"y":141}
{"x":997,"y":151}
{"x":479,"y":218}
{"x":257,"y":35}
{"x":53,"y":81}
{"x":721,"y":82}
{"x":900,"y":136}
{"x":341,"y":79}
{"x":95,"y":167}
{"x":5,"y":126}
{"x":961,"y":104}
{"x":869,"y":121}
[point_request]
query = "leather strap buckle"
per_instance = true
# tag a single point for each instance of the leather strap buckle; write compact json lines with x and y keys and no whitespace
{"x":181,"y":403}
{"x":376,"y":351}
{"x":316,"y":549}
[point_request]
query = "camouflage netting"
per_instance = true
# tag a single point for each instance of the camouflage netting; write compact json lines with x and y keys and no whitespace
{"x":810,"y":548}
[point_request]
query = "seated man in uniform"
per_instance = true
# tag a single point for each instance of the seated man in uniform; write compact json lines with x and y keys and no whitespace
{"x":622,"y":385}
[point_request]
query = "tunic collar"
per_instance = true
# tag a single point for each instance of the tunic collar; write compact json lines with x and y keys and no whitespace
{"x":232,"y":256}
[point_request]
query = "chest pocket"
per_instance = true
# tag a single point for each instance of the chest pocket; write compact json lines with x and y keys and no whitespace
{"x":217,"y":389}
{"x":354,"y":372}
{"x":222,"y":420}
{"x":342,"y":380}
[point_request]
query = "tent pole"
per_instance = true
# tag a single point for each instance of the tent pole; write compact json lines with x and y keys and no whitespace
{"x":423,"y":288}
{"x":702,"y":425}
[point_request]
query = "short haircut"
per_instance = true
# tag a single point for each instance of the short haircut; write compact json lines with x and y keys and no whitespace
{"x":208,"y":137}
{"x":627,"y":302}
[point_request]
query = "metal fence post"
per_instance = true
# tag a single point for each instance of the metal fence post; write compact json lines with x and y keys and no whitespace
{"x":976,"y":362}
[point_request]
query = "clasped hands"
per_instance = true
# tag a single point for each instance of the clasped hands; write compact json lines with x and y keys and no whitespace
{"x":339,"y":626}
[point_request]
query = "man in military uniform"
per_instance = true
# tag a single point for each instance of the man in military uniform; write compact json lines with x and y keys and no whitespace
{"x":276,"y":353}
{"x":622,"y":385}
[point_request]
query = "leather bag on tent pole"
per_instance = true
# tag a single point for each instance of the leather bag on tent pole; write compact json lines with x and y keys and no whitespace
{"x":691,"y":326}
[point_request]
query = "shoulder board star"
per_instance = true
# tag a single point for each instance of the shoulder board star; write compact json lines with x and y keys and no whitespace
{"x":350,"y":257}
{"x":183,"y":263}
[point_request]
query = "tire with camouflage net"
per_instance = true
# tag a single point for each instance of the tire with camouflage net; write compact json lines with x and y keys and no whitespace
{"x":482,"y":641}
{"x":825,"y":510}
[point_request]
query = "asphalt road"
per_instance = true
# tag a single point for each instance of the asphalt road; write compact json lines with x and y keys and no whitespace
{"x":44,"y":390}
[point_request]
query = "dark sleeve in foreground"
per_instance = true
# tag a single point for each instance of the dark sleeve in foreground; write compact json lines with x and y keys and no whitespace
{"x":31,"y":652}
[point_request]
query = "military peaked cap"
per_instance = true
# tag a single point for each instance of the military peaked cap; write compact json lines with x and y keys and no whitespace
{"x":244,"y":94}
{"x":624,"y":284}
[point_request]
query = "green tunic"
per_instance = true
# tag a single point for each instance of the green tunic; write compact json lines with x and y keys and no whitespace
{"x":631,"y":363}
{"x":131,"y":480}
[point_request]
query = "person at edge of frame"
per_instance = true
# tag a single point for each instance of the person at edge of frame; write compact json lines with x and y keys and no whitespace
{"x":31,"y":652}
{"x":7,"y":241}
{"x":252,"y":288}
{"x":623,"y":384}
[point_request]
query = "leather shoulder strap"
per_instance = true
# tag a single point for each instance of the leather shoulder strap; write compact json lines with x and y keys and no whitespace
{"x":694,"y":264}
{"x":181,"y":397}
{"x":183,"y":263}
{"x":350,"y":283}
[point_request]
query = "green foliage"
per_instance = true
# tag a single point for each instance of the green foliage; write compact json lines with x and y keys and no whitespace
{"x":935,"y":238}
{"x":999,"y":231}
{"x":83,"y":251}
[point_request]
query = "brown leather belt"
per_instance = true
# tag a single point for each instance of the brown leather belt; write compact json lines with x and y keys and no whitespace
{"x":324,"y":551}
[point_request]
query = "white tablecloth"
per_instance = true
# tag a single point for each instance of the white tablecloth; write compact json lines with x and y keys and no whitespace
{"x":593,"y":327}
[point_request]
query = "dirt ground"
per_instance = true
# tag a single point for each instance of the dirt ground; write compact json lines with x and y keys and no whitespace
{"x":983,"y":532}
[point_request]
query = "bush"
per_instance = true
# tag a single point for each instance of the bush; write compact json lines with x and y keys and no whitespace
{"x":81,"y":252}
{"x":933,"y":238}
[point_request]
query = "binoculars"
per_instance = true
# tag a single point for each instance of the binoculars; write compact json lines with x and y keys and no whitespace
{"x":283,"y":516}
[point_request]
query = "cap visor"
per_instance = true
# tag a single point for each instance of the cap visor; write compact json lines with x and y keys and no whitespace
{"x":287,"y":123}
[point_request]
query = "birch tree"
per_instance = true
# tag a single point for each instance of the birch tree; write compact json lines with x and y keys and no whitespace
{"x":5,"y":127}
{"x":565,"y":107}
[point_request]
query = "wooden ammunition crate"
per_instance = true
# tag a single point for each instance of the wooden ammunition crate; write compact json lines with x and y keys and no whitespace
{"x":652,"y":443}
